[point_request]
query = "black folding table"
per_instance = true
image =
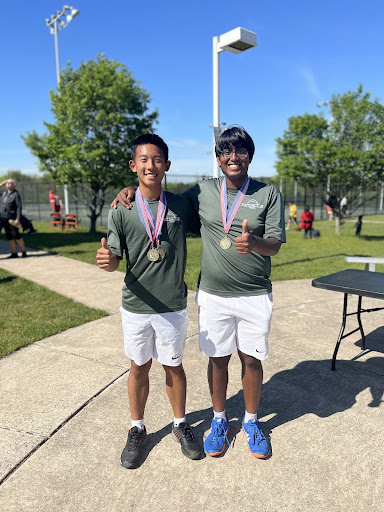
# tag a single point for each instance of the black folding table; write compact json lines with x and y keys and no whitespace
{"x":355,"y":282}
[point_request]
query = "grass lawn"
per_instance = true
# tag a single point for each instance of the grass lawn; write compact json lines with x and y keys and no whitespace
{"x":297,"y":259}
{"x":22,"y":324}
{"x":301,"y":259}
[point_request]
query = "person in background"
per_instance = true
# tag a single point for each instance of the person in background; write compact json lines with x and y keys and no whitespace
{"x":55,"y":202}
{"x":359,"y":225}
{"x":292,"y":214}
{"x":329,"y":211}
{"x":307,"y":218}
{"x":10,"y":216}
{"x":343,"y":205}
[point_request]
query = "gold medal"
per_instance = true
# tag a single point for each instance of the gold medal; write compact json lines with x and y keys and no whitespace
{"x":161,"y":253}
{"x":153,"y":254}
{"x":225,"y":243}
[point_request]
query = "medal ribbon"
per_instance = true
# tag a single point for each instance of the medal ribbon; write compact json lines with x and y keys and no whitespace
{"x":147,"y":217}
{"x":229,"y":216}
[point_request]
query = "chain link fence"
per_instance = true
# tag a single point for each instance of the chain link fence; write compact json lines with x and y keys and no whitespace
{"x":34,"y":195}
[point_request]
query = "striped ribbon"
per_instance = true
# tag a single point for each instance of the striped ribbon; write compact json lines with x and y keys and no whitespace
{"x":147,"y":217}
{"x":229,"y":216}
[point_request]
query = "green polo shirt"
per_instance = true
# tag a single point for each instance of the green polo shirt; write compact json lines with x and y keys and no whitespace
{"x":153,"y":287}
{"x":226,"y":272}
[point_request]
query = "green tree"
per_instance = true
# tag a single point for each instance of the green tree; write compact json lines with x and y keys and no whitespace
{"x":99,"y":109}
{"x":347,"y":153}
{"x":17,"y":176}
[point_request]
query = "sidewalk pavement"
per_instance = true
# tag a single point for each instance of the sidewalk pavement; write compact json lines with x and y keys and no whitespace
{"x":64,"y":412}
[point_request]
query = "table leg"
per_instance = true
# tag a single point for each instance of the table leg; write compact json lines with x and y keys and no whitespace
{"x":360,"y":324}
{"x":333,"y":367}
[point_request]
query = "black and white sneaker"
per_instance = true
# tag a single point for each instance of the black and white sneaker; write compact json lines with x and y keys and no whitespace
{"x":189,"y":446}
{"x":130,"y":456}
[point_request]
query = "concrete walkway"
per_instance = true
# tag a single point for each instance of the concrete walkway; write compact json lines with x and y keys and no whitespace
{"x":64,"y":412}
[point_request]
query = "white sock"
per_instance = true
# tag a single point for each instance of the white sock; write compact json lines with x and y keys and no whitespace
{"x":139,"y":424}
{"x":177,"y":421}
{"x":248,"y":416}
{"x":220,"y":415}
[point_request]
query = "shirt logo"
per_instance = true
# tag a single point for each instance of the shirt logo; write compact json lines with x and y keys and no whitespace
{"x":172,"y":217}
{"x":252,"y":204}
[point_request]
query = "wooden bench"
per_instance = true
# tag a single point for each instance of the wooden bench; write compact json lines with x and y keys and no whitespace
{"x":370,"y":263}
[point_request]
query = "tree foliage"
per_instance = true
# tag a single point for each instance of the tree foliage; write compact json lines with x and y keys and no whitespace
{"x":346,"y":153}
{"x":99,"y":109}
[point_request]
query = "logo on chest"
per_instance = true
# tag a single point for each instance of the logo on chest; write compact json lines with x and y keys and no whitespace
{"x":172,"y":217}
{"x":253,"y":204}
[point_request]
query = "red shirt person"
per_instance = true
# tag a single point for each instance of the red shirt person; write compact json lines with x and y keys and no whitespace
{"x":55,"y":202}
{"x":307,"y":218}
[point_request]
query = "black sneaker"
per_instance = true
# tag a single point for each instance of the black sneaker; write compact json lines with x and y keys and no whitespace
{"x":189,"y":446}
{"x":13,"y":255}
{"x":130,"y":456}
{"x":24,"y":255}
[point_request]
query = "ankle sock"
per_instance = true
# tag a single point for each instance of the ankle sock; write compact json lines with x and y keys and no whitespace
{"x":248,"y":416}
{"x":139,"y":424}
{"x":177,"y":421}
{"x":220,"y":415}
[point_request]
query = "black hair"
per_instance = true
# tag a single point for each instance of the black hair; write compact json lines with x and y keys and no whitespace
{"x":306,"y":208}
{"x":149,"y":138}
{"x":235,"y":136}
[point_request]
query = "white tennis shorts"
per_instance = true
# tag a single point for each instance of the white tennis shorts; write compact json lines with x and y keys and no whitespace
{"x":158,"y":335}
{"x":230,"y":323}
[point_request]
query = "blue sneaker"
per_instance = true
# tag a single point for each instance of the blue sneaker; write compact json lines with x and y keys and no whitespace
{"x":214,"y":443}
{"x":257,"y":444}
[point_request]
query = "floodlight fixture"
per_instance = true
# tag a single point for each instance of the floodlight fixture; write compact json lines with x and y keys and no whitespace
{"x":237,"y":40}
{"x":55,"y":23}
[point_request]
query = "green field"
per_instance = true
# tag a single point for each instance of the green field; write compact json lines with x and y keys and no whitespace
{"x":30,"y":312}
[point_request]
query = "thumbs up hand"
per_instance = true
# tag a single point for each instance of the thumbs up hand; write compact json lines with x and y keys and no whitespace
{"x":246,"y":242}
{"x":104,"y":255}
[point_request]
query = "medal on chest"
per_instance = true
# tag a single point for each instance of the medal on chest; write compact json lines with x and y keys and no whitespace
{"x":152,"y":226}
{"x":228,"y":216}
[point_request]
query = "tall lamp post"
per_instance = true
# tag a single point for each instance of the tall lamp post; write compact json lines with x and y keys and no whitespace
{"x":235,"y":41}
{"x":55,"y":23}
{"x":326,"y":104}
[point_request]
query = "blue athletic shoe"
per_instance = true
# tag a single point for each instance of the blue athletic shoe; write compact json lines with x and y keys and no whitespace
{"x":257,"y":444}
{"x":214,"y":443}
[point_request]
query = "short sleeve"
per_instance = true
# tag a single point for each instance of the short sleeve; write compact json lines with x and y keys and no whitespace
{"x":194,"y":224}
{"x":274,"y":220}
{"x":192,"y":194}
{"x":116,"y":238}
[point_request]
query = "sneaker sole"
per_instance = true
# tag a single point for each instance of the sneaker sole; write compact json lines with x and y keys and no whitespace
{"x":258,"y":456}
{"x":217,"y":453}
{"x":192,"y":456}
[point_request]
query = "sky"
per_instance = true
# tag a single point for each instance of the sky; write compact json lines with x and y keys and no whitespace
{"x":307,"y":51}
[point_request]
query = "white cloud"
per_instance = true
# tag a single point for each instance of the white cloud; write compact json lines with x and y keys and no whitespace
{"x":310,"y":81}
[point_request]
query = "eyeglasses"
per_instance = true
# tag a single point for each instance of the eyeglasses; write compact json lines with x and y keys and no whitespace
{"x":240,"y":152}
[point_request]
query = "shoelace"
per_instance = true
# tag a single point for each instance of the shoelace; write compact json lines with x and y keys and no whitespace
{"x":187,"y":431}
{"x":219,"y":431}
{"x":256,"y":432}
{"x":133,"y":439}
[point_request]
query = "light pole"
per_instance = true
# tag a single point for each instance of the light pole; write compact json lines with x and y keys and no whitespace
{"x":235,"y":41}
{"x":326,"y":104}
{"x":55,"y":23}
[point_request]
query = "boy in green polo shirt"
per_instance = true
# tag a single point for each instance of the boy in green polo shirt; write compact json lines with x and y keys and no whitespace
{"x":152,"y":236}
{"x":242,"y":226}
